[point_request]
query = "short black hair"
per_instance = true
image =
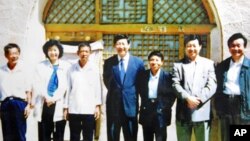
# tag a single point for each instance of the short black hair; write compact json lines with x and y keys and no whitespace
{"x":121,"y":36}
{"x":235,"y":37}
{"x":10,"y":46}
{"x":191,"y":37}
{"x":51,"y":43}
{"x":156,"y":53}
{"x":83,"y":44}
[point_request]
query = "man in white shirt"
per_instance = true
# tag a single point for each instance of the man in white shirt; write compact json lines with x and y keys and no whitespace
{"x":157,"y":99}
{"x":83,"y":98}
{"x":233,"y":92}
{"x":15,"y":94}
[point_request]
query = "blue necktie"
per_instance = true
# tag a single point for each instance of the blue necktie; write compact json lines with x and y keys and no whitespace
{"x":122,"y":70}
{"x":53,"y":82}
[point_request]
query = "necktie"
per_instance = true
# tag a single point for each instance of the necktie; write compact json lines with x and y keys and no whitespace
{"x":53,"y":82}
{"x":122,"y":70}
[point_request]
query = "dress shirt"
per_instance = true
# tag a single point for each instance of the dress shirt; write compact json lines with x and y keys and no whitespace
{"x":84,"y":92}
{"x":125,"y":61}
{"x":14,"y":82}
{"x":153,"y":85}
{"x":232,"y":85}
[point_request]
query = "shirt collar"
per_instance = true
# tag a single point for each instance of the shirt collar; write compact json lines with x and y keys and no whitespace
{"x":197,"y":59}
{"x":18,"y":67}
{"x":50,"y":65}
{"x":125,"y":58}
{"x":157,"y":74}
{"x":82,"y":68}
{"x":237,"y":63}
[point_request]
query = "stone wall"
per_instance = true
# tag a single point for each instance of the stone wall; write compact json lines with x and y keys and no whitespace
{"x":234,"y":17}
{"x":21,"y":23}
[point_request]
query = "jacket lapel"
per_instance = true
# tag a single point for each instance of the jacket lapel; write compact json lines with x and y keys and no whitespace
{"x":160,"y":84}
{"x":188,"y":77}
{"x":130,"y":69}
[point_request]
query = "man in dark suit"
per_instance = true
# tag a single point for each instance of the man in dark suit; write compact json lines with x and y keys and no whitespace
{"x":232,"y":99}
{"x":120,"y":75}
{"x":157,"y":98}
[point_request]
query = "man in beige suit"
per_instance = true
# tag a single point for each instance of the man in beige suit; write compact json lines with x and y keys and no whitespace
{"x":195,"y":83}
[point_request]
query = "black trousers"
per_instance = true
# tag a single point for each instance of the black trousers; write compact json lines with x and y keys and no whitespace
{"x":84,"y":123}
{"x":231,"y":114}
{"x":129,"y":126}
{"x":12,"y":118}
{"x":153,"y":129}
{"x":47,"y":127}
{"x":149,"y":132}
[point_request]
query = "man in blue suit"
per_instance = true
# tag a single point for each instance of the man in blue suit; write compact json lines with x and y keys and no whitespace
{"x":120,"y":76}
{"x":157,"y":99}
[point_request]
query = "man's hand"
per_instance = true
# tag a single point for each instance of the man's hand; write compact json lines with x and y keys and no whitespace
{"x":97,"y":112}
{"x":65,"y":113}
{"x":193,"y":102}
{"x":49,"y":102}
{"x":27,"y":111}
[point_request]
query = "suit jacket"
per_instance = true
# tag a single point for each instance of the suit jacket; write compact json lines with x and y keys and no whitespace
{"x":221,"y":74}
{"x":202,"y":85}
{"x":165,"y":99}
{"x":118,"y":92}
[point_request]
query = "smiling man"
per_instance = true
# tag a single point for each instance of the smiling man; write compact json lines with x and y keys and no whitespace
{"x":120,"y":75}
{"x":15,"y":94}
{"x":195,"y":83}
{"x":233,"y":92}
{"x":84,"y":97}
{"x":157,"y":98}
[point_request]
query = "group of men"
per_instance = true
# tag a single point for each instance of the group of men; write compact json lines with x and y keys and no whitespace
{"x":194,"y":81}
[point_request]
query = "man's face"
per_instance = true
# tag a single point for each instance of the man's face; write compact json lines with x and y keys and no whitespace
{"x":84,"y":53}
{"x":122,"y":46}
{"x":12,"y":55}
{"x":155,"y":63}
{"x":192,"y":49}
{"x":236,"y":48}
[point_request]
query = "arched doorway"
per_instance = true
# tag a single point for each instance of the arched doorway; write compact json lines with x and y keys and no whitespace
{"x":151,"y":24}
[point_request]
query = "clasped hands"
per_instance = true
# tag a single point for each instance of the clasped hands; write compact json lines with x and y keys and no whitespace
{"x":193,"y":102}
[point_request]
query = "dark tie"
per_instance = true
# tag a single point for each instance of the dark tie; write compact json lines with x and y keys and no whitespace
{"x":53,"y":82}
{"x":122,"y":70}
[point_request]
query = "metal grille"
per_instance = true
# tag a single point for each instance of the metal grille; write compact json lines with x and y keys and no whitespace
{"x":204,"y":48}
{"x":124,"y":11}
{"x":72,"y":11}
{"x":179,"y":12}
{"x":142,"y":45}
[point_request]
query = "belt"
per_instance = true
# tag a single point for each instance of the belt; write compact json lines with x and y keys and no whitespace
{"x":152,"y":100}
{"x":194,"y":122}
{"x":13,"y":98}
{"x":232,"y":96}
